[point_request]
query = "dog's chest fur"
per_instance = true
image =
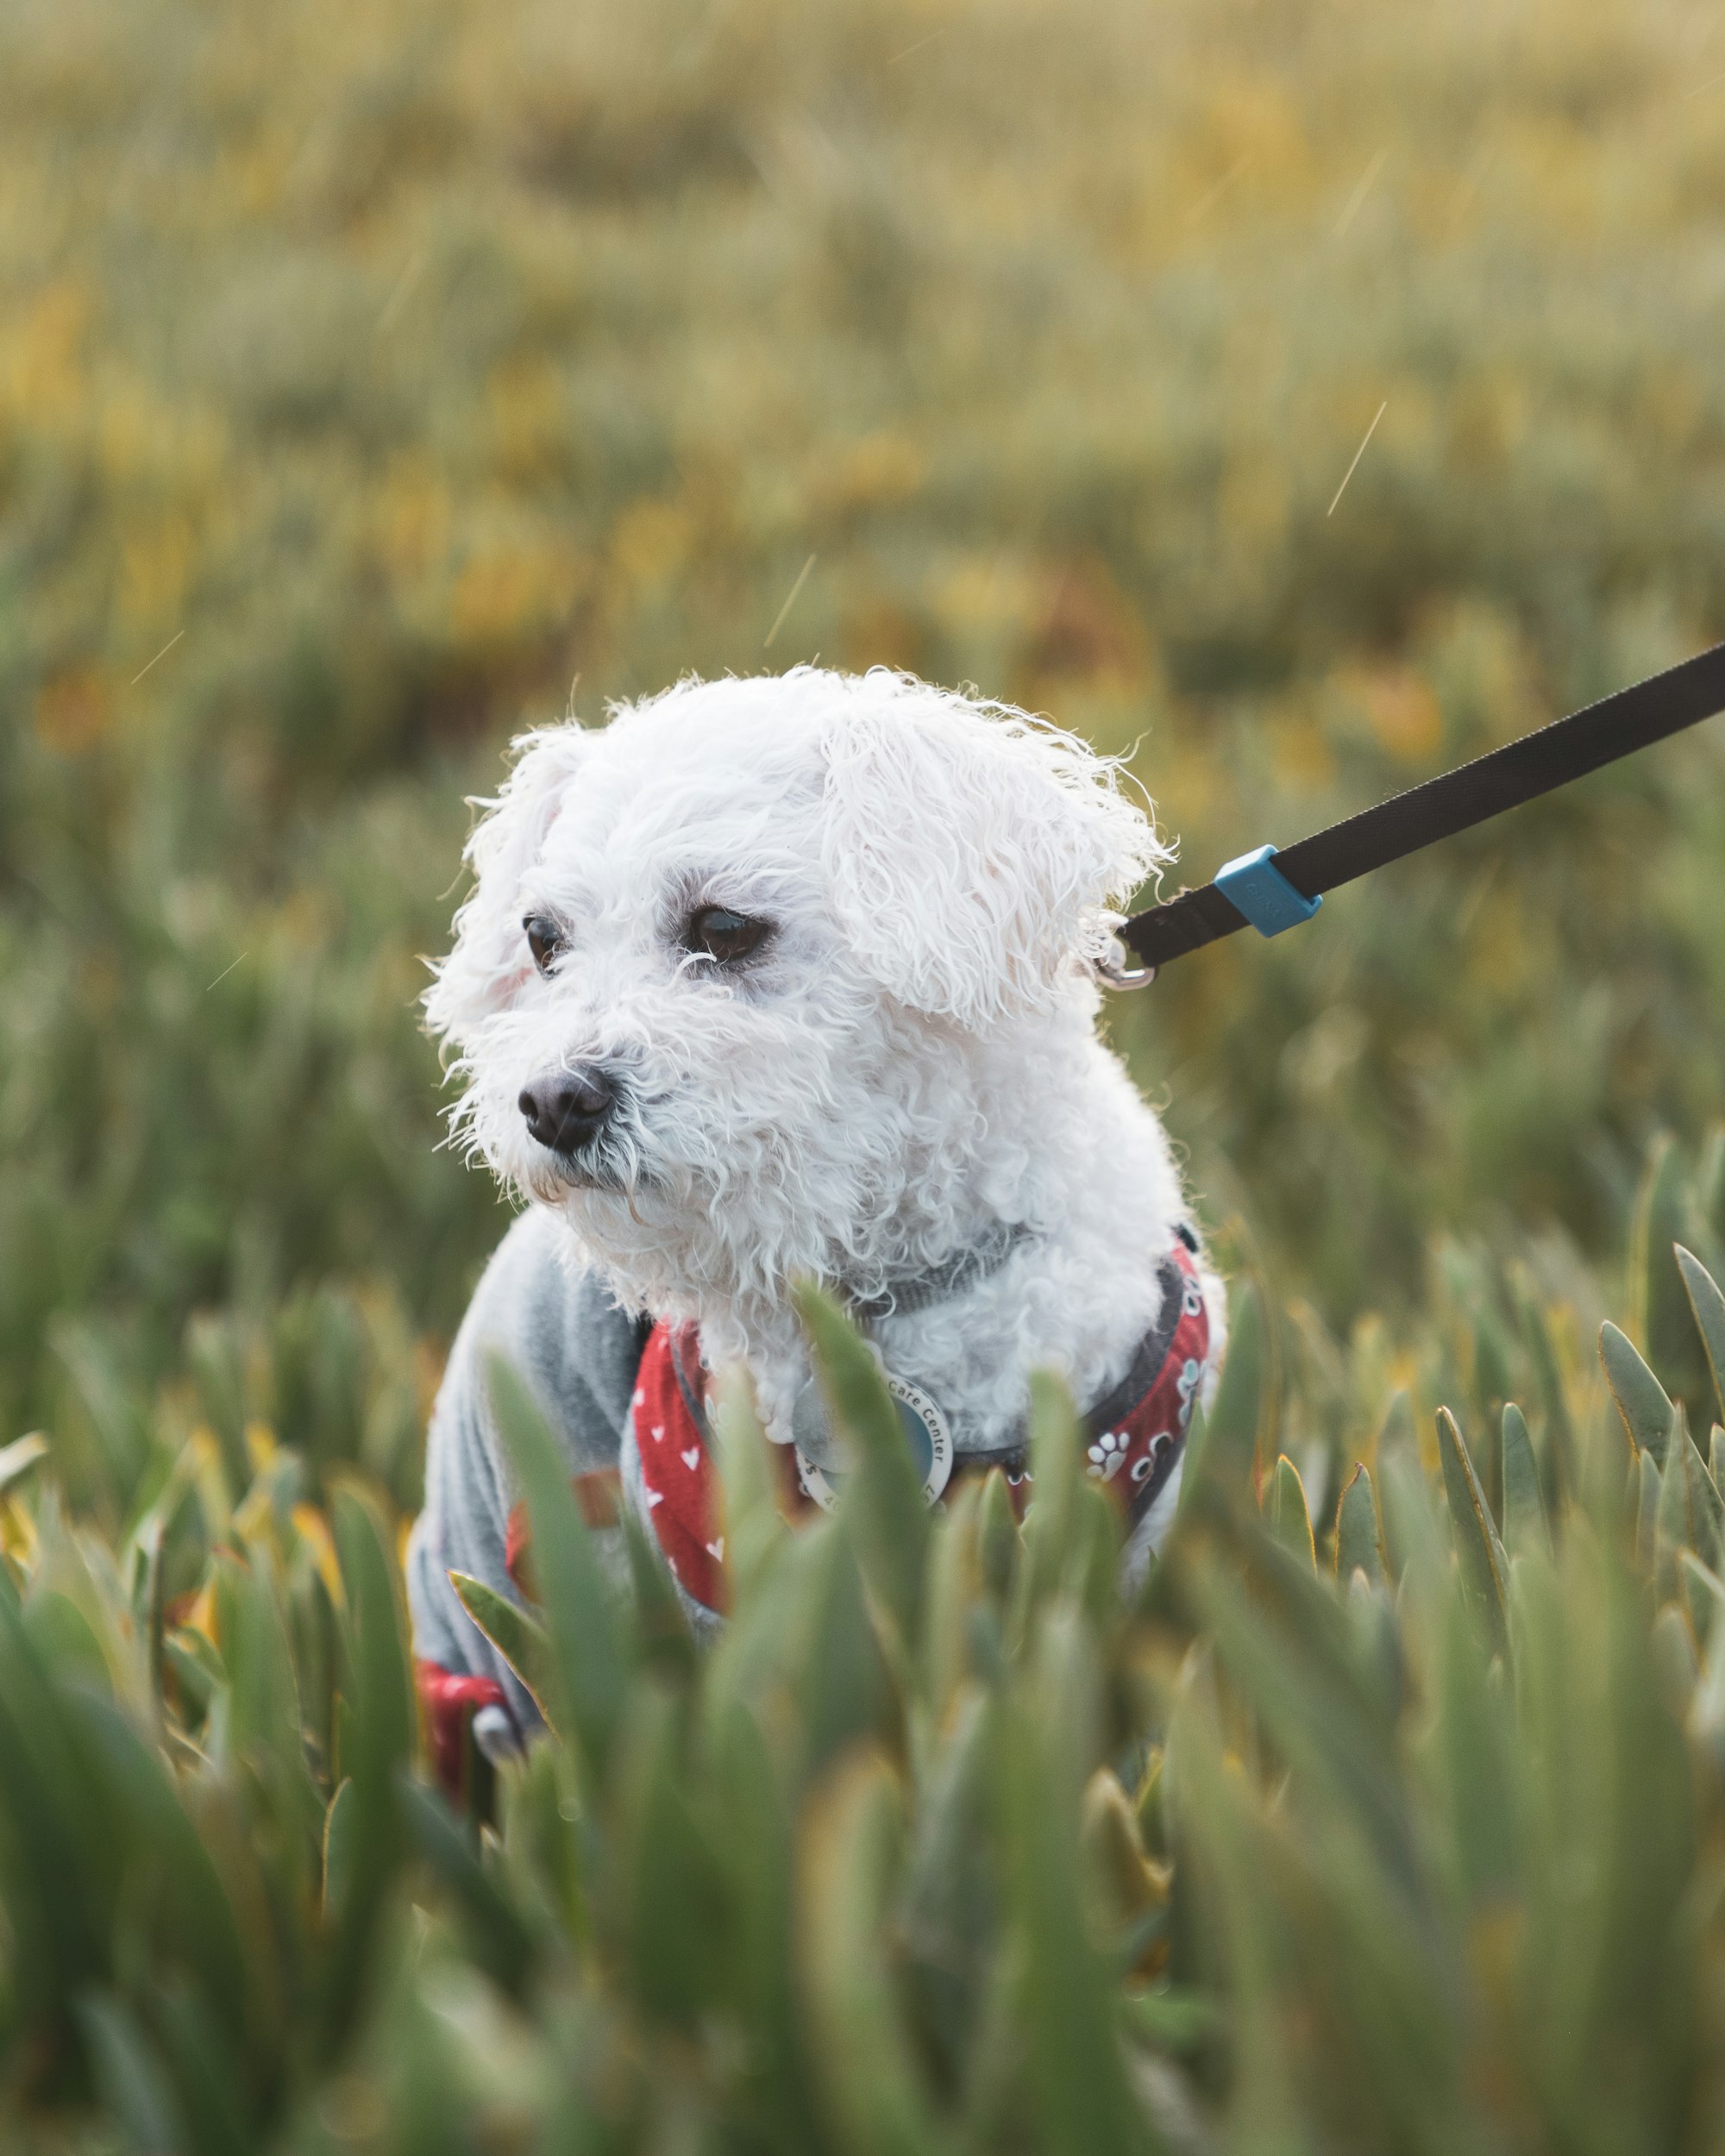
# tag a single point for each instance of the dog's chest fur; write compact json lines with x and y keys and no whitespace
{"x":1100,"y":1201}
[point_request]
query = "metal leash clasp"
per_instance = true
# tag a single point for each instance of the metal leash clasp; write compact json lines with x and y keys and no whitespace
{"x":1115,"y":969}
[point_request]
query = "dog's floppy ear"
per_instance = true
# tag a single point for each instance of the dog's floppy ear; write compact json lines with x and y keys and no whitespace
{"x":490,"y":959}
{"x":972,"y":853}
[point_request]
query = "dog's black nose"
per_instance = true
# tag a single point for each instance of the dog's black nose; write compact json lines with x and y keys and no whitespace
{"x":565,"y":1109}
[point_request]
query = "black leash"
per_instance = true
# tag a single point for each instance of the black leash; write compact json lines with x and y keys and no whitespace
{"x":1271,"y":890}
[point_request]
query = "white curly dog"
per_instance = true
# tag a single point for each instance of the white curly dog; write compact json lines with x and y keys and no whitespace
{"x":796,"y":977}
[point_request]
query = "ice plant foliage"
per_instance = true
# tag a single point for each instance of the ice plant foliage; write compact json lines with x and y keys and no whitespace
{"x":1387,"y":1814}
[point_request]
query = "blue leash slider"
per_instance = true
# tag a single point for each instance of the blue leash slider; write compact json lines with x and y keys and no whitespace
{"x":1254,"y":886}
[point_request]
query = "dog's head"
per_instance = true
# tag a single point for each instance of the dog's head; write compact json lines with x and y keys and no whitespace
{"x":729,"y":956}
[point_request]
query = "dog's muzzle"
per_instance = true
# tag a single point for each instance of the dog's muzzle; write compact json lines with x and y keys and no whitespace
{"x":567,"y":1111}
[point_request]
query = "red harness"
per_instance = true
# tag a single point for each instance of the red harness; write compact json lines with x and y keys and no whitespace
{"x":1133,"y":1437}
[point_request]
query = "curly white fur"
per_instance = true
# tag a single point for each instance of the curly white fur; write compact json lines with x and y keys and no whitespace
{"x":910,"y":1060}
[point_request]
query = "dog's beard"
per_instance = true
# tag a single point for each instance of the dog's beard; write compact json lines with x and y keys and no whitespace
{"x":676,"y":1235}
{"x":604,"y":1164}
{"x":741,"y":1165}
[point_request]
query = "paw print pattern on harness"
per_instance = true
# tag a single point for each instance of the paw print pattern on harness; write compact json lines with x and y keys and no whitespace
{"x":1144,"y":1467}
{"x":1107,"y":1455}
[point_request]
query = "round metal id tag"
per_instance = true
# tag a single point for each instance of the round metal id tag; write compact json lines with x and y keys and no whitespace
{"x":820,"y":1465}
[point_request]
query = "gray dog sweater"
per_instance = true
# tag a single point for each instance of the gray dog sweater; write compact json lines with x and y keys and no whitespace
{"x":578,"y":1353}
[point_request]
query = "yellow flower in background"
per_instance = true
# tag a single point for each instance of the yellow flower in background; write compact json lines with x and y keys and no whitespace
{"x":156,"y":565}
{"x":41,"y":376}
{"x":1254,"y":500}
{"x":882,"y":469}
{"x":411,"y":516}
{"x":1305,"y":762}
{"x":514,"y":586}
{"x":1406,"y":718}
{"x":528,"y":416}
{"x":73,"y":711}
{"x":652,"y":541}
{"x":983,"y":591}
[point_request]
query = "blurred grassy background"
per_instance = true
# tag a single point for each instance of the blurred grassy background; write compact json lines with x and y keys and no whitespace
{"x":369,"y":374}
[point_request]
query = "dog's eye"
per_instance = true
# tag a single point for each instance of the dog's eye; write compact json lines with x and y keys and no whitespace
{"x":544,"y":939}
{"x":716,"y":932}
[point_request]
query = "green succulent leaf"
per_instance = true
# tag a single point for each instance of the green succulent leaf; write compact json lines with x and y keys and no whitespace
{"x":755,"y":1528}
{"x":1561,"y":1475}
{"x":1398,"y":1434}
{"x":338,"y":1847}
{"x":1052,"y":1531}
{"x":587,"y":1671}
{"x":872,"y":2084}
{"x":1360,"y":1546}
{"x":1084,"y":2101}
{"x":1690,"y":1516}
{"x":999,"y":1545}
{"x":1228,"y":1453}
{"x":845,"y":1671}
{"x":377,"y":1736}
{"x":499,"y":1941}
{"x":883,"y":1494}
{"x":520,"y":1640}
{"x":1641,"y":1399}
{"x":1290,"y":1519}
{"x":1478,"y":1757}
{"x":130,"y":2072}
{"x":17,"y":1458}
{"x":1650,"y":1503}
{"x":1525,"y":1525}
{"x":1709,"y":1306}
{"x":1664,"y":1218}
{"x":1485,"y":1568}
